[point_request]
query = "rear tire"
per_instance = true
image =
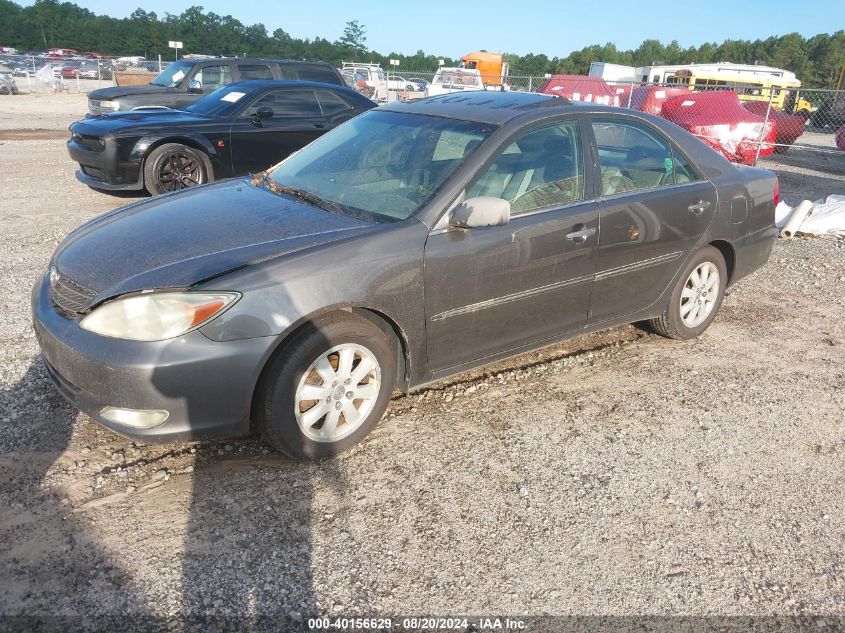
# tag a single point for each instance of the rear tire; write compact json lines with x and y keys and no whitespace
{"x":173,"y":166}
{"x":696,"y":298}
{"x":326,"y":388}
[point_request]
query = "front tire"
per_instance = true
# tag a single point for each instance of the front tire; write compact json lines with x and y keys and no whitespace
{"x":696,"y":298}
{"x":173,"y":166}
{"x":326,"y":388}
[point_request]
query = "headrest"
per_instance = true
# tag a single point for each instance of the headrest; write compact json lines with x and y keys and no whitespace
{"x":642,"y":152}
{"x":558,"y":144}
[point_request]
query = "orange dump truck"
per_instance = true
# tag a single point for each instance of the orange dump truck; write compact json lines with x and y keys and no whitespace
{"x":491,"y":66}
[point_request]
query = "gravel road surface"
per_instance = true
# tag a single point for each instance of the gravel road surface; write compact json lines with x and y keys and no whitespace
{"x":618,"y":474}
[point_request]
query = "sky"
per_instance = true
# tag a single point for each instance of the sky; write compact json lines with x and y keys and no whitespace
{"x":555,"y":28}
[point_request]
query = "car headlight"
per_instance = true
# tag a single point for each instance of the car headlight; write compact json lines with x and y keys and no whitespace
{"x":105,"y":105}
{"x":157,"y":316}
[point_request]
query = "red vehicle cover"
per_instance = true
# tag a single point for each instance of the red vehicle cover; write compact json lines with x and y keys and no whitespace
{"x":580,"y":88}
{"x":650,"y":98}
{"x":789,"y":127}
{"x":840,"y":138}
{"x":719,"y":120}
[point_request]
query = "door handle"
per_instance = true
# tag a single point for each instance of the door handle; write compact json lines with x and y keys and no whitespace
{"x":580,"y":236}
{"x":699,"y":207}
{"x":321,"y":124}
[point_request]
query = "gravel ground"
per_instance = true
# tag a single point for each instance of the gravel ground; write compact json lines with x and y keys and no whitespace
{"x":617,"y":474}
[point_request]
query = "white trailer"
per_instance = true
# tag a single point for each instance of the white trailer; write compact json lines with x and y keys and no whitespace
{"x":612,"y":72}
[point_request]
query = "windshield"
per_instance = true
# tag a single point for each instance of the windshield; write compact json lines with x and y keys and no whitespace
{"x":381,"y":166}
{"x":225,"y":101}
{"x":171,"y":76}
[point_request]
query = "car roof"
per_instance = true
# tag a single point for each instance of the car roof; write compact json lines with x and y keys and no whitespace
{"x":240,"y":60}
{"x":482,"y":106}
{"x":263,"y":84}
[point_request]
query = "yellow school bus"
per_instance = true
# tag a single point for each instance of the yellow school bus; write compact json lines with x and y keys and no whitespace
{"x":783,"y":91}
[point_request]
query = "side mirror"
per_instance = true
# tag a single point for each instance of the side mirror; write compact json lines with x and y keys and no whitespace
{"x":264,"y":112}
{"x":195,"y":86}
{"x":481,"y":211}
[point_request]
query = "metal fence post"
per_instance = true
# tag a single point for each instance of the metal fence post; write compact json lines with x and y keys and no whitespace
{"x":630,"y":95}
{"x":529,"y":83}
{"x":765,"y":124}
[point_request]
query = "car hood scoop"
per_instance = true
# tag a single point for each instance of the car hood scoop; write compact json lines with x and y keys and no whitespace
{"x":176,"y":240}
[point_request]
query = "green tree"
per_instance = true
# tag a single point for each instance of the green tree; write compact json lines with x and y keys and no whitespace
{"x":354,"y":37}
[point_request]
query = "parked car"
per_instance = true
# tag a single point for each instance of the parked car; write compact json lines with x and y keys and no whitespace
{"x":238,"y":129}
{"x":422,"y":83}
{"x":89,"y":71}
{"x":184,"y":81}
{"x":368,"y":79}
{"x":70,"y":70}
{"x":414,"y":242}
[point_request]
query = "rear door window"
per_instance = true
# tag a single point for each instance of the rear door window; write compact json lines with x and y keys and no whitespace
{"x":331,"y":103}
{"x":317,"y":73}
{"x":632,"y":157}
{"x":254,"y":71}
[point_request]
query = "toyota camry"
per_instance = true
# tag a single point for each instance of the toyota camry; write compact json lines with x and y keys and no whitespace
{"x":411,"y":243}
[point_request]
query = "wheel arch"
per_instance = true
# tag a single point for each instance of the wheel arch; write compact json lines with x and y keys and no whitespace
{"x":205,"y":148}
{"x":388,"y":325}
{"x":729,"y":253}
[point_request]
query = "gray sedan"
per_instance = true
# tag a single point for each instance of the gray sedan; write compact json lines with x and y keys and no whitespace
{"x":414,"y":242}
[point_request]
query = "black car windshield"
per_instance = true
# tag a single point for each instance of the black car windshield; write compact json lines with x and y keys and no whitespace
{"x":225,"y":101}
{"x":380,"y":166}
{"x":172,"y":76}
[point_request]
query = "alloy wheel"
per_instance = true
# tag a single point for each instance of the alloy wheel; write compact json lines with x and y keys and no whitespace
{"x":337,"y":392}
{"x":700,"y":293}
{"x":180,"y":170}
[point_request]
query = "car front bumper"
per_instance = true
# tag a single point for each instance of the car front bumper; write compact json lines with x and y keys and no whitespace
{"x":101,"y":167}
{"x":205,"y":386}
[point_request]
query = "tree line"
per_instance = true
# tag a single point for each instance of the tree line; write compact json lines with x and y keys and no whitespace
{"x":50,"y":24}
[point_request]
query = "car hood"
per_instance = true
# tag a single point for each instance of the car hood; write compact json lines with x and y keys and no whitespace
{"x":179,"y":239}
{"x":124,"y":121}
{"x":115,"y":92}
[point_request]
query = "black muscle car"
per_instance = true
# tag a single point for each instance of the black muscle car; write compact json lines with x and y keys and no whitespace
{"x":241,"y":128}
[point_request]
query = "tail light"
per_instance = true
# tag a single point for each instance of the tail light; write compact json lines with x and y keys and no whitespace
{"x":777,"y":192}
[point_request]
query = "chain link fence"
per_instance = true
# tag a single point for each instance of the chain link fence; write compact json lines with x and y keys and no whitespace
{"x":743,"y":122}
{"x":20,"y":74}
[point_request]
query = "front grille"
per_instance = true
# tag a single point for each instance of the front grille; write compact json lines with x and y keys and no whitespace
{"x":70,"y":296}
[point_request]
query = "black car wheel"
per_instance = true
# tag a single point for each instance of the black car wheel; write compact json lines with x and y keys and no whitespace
{"x":172,"y":166}
{"x":696,"y":298}
{"x":327,"y":388}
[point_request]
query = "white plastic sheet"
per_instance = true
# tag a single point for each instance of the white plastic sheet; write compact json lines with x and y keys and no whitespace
{"x":44,"y":75}
{"x":827,"y":216}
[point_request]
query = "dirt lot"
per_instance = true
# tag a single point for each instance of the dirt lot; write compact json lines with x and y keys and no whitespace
{"x":618,"y":474}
